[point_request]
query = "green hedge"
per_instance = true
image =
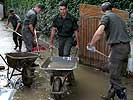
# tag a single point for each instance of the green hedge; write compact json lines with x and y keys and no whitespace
{"x":44,"y":21}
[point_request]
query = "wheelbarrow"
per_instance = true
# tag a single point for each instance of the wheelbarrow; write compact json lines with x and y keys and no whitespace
{"x":22,"y":62}
{"x":59,"y":68}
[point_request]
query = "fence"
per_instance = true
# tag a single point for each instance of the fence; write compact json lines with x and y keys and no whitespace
{"x":89,"y":20}
{"x":88,"y":26}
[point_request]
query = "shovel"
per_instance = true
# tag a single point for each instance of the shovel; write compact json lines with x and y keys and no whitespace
{"x":98,"y":52}
{"x":14,"y":31}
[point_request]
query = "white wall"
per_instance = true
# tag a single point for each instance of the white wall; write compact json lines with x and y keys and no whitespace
{"x":1,"y":11}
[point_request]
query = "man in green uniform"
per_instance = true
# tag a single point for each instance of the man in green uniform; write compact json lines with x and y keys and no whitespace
{"x":29,"y":26}
{"x":15,"y":20}
{"x":118,"y":40}
{"x":66,"y":27}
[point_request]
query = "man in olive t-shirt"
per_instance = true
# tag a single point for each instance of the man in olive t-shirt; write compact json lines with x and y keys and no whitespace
{"x":15,"y":20}
{"x":29,"y":26}
{"x":118,"y":40}
{"x":66,"y":27}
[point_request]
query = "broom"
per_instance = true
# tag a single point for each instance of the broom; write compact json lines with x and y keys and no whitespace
{"x":38,"y":48}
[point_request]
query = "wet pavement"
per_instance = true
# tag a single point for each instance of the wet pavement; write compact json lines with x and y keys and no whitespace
{"x":89,"y":83}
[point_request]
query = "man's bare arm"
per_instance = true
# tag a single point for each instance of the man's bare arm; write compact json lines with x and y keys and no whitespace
{"x":98,"y":34}
{"x":18,"y":25}
{"x":53,"y":31}
{"x":76,"y":32}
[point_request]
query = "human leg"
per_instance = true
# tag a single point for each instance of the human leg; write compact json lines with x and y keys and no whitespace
{"x":117,"y":65}
{"x":20,"y":43}
{"x":68,"y":46}
{"x":28,"y":43}
{"x":61,"y":43}
{"x":15,"y":40}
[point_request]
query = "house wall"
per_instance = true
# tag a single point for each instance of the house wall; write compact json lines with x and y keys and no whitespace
{"x":1,"y":11}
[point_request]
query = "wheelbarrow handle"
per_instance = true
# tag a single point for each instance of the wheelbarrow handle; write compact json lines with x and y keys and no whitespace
{"x":14,"y":31}
{"x":76,"y":52}
{"x":51,"y":52}
{"x":4,"y":59}
{"x":102,"y":54}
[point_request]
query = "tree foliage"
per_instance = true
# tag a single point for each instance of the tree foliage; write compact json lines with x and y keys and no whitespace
{"x":51,"y":8}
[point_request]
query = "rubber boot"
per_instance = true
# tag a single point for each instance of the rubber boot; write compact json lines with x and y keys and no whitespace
{"x":121,"y":93}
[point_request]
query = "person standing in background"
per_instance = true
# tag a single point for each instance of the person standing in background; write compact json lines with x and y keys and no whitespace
{"x":15,"y":20}
{"x":29,"y":26}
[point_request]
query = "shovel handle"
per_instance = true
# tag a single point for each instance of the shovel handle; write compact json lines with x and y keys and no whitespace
{"x":102,"y":54}
{"x":14,"y":31}
{"x":51,"y":52}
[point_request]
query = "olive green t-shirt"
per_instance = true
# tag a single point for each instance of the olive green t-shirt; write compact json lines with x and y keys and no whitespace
{"x":31,"y":18}
{"x":65,"y":26}
{"x":115,"y":28}
{"x":15,"y":19}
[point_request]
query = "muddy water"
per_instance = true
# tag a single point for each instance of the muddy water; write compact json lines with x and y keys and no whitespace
{"x":89,"y":83}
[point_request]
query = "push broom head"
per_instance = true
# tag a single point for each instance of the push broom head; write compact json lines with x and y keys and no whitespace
{"x":38,"y":49}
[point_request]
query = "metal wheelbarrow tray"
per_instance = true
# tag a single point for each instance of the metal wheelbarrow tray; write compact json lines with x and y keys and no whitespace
{"x":59,"y":68}
{"x":60,"y":63}
{"x":22,"y":62}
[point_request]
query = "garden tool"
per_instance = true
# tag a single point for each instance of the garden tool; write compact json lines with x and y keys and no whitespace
{"x":102,"y":54}
{"x":93,"y":49}
{"x":38,"y":48}
{"x":14,"y":31}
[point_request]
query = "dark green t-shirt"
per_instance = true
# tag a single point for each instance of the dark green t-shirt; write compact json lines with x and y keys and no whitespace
{"x":115,"y":28}
{"x":15,"y":19}
{"x":65,"y":26}
{"x":31,"y":18}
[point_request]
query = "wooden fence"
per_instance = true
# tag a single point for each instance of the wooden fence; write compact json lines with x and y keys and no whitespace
{"x":89,"y":20}
{"x":88,"y":26}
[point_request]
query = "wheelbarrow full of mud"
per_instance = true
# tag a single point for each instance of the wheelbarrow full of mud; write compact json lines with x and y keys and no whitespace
{"x":59,"y":69}
{"x":22,"y":63}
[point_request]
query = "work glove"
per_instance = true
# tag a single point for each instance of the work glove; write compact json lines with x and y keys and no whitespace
{"x":91,"y":48}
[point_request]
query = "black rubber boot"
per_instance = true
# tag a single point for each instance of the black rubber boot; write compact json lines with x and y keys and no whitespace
{"x":121,"y":93}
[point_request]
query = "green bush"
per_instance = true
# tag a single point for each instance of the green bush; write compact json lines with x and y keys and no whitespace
{"x":45,"y":18}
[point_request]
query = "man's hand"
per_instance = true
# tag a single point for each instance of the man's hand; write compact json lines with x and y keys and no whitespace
{"x":50,"y":46}
{"x":77,"y":46}
{"x":6,"y":27}
{"x":91,"y":48}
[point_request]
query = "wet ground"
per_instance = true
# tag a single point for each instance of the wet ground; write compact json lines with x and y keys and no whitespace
{"x":89,"y":83}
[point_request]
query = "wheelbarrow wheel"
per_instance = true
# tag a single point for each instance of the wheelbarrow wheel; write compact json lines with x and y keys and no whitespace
{"x":57,"y":84}
{"x":27,"y":77}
